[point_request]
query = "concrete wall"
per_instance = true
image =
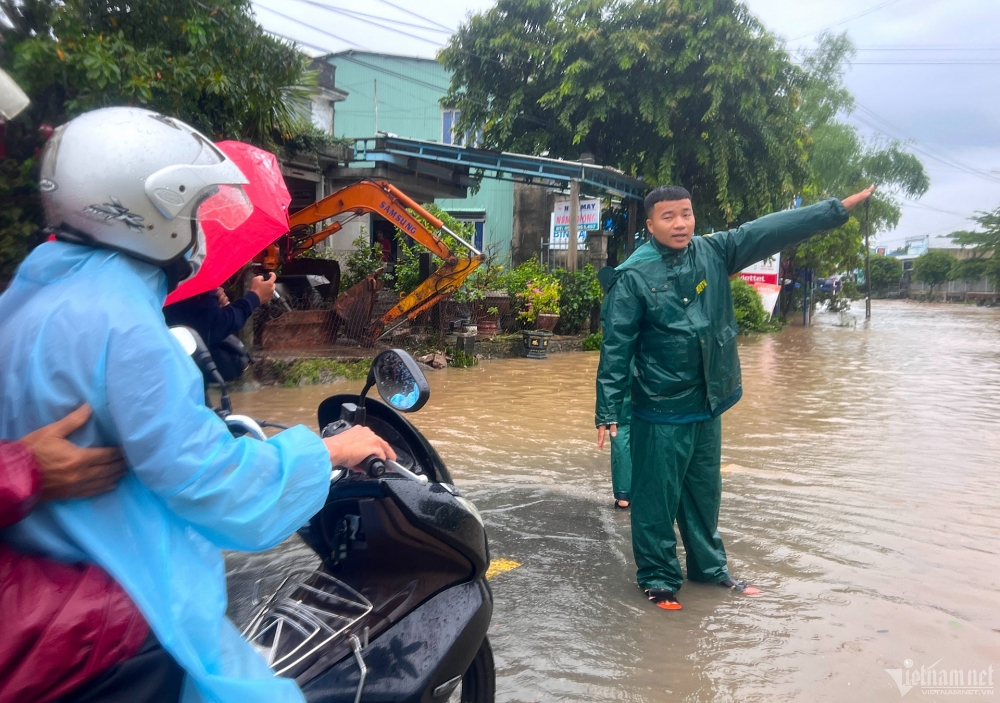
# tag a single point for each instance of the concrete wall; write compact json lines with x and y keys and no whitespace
{"x":533,"y":206}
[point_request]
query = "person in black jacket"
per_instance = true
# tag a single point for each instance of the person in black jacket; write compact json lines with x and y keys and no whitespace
{"x":213,"y":317}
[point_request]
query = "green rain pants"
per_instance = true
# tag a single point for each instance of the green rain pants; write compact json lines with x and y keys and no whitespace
{"x":676,"y":474}
{"x":621,"y":463}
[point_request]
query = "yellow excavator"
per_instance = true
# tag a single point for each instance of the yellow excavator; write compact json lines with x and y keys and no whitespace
{"x":383,"y":199}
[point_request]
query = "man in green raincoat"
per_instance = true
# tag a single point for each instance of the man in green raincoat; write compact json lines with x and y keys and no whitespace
{"x":669,"y":319}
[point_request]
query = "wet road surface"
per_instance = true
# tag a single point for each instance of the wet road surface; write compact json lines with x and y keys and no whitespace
{"x":862,"y":496}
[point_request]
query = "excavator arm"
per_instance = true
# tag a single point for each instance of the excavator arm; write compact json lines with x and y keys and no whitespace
{"x":384,"y":199}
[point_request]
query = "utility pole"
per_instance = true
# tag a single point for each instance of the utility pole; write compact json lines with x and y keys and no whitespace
{"x":868,"y":263}
{"x":376,"y":107}
{"x":574,"y":223}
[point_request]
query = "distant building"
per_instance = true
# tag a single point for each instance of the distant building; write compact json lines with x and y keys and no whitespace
{"x":913,"y":247}
{"x":401,"y":96}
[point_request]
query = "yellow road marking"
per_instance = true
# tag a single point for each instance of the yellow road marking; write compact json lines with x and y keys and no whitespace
{"x":498,"y":566}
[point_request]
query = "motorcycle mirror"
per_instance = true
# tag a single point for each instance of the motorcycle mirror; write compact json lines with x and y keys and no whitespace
{"x":194,"y":346}
{"x":400,"y":381}
{"x":186,"y":338}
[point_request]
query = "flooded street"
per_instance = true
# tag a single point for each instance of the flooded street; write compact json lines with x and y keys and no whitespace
{"x":862,"y":495}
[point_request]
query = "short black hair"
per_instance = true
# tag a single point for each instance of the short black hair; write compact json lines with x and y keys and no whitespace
{"x":663,"y":194}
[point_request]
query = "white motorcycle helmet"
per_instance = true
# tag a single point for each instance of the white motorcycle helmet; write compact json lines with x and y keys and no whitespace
{"x":141,"y":183}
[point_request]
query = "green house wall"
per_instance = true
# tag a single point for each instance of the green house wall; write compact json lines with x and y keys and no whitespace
{"x":409,"y":95}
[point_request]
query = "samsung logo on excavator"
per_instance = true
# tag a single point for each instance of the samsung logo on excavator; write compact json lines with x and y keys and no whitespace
{"x":394,"y":215}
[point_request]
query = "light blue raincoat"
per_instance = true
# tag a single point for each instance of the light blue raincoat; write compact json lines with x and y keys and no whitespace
{"x":80,"y":324}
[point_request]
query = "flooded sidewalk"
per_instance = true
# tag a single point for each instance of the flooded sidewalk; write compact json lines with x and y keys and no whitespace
{"x":861,"y":494}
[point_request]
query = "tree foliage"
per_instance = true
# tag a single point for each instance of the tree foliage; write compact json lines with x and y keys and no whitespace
{"x":205,"y":61}
{"x":885,"y":271}
{"x":208,"y":63}
{"x":969,"y":270}
{"x":933,"y":267}
{"x":985,"y":241}
{"x":689,"y":92}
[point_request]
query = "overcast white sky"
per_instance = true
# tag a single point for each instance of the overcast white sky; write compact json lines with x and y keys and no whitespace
{"x":927,"y":70}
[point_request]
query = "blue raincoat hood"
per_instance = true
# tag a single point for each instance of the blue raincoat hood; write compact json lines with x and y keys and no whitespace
{"x":80,"y":324}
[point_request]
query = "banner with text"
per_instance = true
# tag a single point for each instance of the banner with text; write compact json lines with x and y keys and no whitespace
{"x":589,"y":221}
{"x":763,"y":276}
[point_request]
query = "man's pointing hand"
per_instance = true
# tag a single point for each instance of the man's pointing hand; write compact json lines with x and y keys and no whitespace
{"x":852,"y":200}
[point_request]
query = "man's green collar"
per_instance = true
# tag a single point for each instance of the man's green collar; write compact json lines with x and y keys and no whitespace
{"x":666,"y":251}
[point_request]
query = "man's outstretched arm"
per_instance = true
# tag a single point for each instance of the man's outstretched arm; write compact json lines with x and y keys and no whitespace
{"x":768,"y":235}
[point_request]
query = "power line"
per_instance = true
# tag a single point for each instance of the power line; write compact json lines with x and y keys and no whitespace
{"x":355,"y":14}
{"x":870,"y":10}
{"x":348,"y":13}
{"x":917,"y":62}
{"x":915,"y":47}
{"x":880,"y":124}
{"x":414,"y":14}
{"x":315,"y":29}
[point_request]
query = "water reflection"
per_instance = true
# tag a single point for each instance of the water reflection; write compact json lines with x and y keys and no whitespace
{"x":862,"y":498}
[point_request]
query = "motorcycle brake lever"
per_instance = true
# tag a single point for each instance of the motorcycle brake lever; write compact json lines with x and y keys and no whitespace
{"x":399,"y":469}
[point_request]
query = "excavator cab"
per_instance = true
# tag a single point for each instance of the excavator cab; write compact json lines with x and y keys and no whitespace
{"x":383,"y":199}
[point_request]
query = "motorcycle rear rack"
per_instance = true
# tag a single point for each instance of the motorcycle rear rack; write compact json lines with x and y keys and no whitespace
{"x":309,"y":612}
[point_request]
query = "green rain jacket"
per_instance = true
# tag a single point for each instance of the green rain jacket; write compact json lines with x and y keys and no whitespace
{"x":671,"y":311}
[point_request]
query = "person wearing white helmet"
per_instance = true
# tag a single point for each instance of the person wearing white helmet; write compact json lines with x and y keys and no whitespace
{"x":125,"y":192}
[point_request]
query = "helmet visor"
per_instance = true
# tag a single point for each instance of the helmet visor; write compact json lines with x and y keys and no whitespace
{"x":228,"y":207}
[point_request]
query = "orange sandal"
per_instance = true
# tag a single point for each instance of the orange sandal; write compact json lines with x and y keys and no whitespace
{"x":740,"y":587}
{"x":663,"y":598}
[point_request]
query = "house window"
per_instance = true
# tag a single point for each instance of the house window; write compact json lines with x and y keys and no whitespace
{"x":479,"y":223}
{"x":449,"y":121}
{"x":449,"y":118}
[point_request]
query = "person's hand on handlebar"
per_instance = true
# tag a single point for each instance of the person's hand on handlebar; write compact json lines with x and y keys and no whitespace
{"x":264,"y":287}
{"x":351,"y":447}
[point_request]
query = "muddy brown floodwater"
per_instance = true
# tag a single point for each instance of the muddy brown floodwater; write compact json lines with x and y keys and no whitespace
{"x":864,"y":500}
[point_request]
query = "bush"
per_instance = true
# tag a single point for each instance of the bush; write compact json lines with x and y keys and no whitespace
{"x":408,"y":261}
{"x":578,"y":293}
{"x":363,"y":262}
{"x":303,"y":372}
{"x":749,"y":310}
{"x":592,"y":342}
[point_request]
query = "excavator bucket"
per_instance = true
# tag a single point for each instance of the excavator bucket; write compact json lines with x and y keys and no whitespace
{"x":354,"y":307}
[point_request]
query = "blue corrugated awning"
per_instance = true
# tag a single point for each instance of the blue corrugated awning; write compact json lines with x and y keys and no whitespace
{"x":468,"y":163}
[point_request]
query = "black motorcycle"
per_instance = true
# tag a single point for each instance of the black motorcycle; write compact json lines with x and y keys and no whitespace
{"x":400,"y":609}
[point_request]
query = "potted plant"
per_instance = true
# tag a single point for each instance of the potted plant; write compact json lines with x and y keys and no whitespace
{"x":540,"y":303}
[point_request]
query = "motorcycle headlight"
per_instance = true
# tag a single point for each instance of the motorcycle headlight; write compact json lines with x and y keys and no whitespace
{"x":470,"y":506}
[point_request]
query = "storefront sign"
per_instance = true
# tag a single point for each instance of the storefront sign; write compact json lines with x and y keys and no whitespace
{"x":589,"y":221}
{"x":763,"y":276}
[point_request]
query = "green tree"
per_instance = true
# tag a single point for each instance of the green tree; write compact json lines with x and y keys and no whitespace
{"x":985,"y":241}
{"x":687,"y":91}
{"x":842,"y":162}
{"x":205,"y":61}
{"x":933,"y":267}
{"x":969,"y":270}
{"x":886,"y":271}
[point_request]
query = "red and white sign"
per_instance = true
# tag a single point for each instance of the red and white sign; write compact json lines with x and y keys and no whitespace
{"x":763,"y":276}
